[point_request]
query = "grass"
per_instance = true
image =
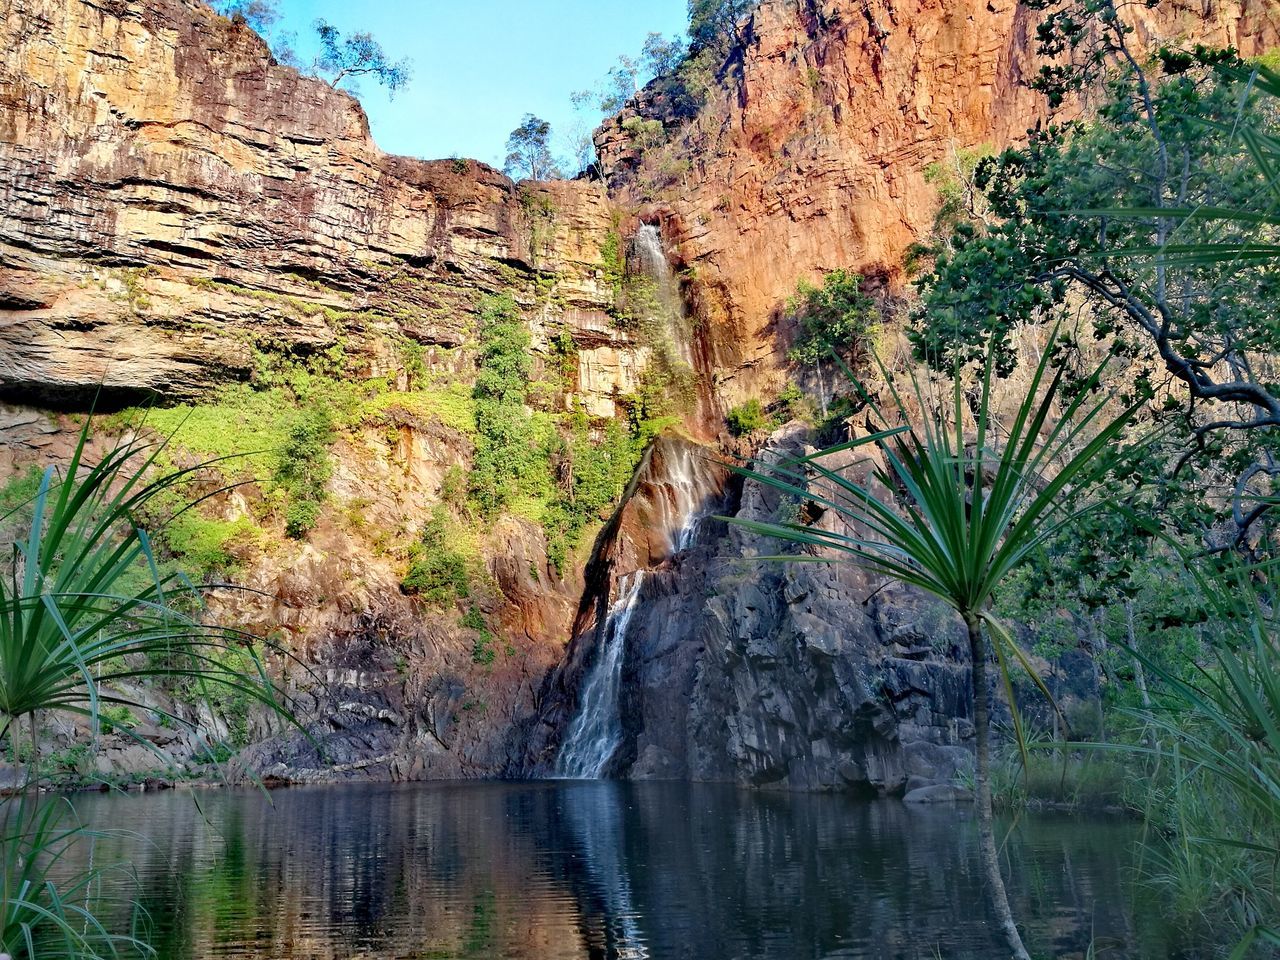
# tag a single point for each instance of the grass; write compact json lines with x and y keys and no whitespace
{"x":207,"y":545}
{"x":19,"y":489}
{"x":239,"y":421}
{"x":451,"y":406}
{"x":1063,"y":777}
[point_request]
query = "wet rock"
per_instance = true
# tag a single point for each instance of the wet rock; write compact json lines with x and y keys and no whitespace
{"x":938,"y":793}
{"x":774,"y":674}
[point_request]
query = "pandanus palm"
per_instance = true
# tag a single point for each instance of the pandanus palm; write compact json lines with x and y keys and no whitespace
{"x":970,"y":510}
{"x":87,"y":615}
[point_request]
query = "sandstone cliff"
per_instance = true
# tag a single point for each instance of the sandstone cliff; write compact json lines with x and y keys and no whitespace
{"x":173,"y":197}
{"x":181,"y":213}
{"x":813,"y":156}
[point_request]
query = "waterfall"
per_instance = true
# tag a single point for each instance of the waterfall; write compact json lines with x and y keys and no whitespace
{"x":683,"y":497}
{"x":596,"y":731}
{"x":651,"y":259}
{"x":677,"y":487}
{"x":648,"y":258}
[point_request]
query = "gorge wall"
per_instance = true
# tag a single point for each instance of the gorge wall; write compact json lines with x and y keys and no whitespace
{"x":183,"y":216}
{"x":813,"y":153}
{"x":178,"y":211}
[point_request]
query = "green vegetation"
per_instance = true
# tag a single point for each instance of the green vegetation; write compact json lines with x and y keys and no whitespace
{"x":86,"y":613}
{"x":612,"y":262}
{"x":1149,"y":234}
{"x":529,"y":151}
{"x":836,"y":317}
{"x":344,"y":59}
{"x":341,"y":59}
{"x":208,"y":546}
{"x":506,"y":453}
{"x":556,"y":470}
{"x":303,"y":468}
{"x":483,"y":652}
{"x":747,"y":418}
{"x":590,"y":476}
{"x":20,"y":489}
{"x":437,"y":573}
{"x":644,"y":132}
{"x":835,"y":322}
{"x":452,"y":405}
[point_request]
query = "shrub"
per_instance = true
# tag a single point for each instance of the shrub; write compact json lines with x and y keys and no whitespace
{"x":473,"y":619}
{"x":304,"y":466}
{"x":482,"y":651}
{"x":794,"y":405}
{"x":116,"y":718}
{"x":436,"y":573}
{"x":747,"y":418}
{"x":611,"y":261}
{"x":836,"y":316}
{"x":205,"y":545}
{"x":644,"y":133}
{"x":590,"y":476}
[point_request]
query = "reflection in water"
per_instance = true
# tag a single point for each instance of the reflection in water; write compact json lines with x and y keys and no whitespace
{"x":605,"y":870}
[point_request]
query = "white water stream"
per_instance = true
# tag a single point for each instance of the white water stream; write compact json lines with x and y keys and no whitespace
{"x":650,"y":260}
{"x":596,"y":731}
{"x":679,"y":497}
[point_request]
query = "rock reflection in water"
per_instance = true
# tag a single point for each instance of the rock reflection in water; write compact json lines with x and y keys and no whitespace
{"x":603,"y":870}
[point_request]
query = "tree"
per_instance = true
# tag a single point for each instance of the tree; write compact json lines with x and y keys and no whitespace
{"x":529,"y":150}
{"x":581,"y":137}
{"x":1155,"y":222}
{"x":713,"y":24}
{"x":660,"y":56}
{"x":358,"y":55}
{"x":834,"y":318}
{"x":264,"y":18}
{"x":262,"y":15}
{"x":967,"y":518}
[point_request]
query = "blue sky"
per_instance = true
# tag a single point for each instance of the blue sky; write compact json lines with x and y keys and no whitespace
{"x":480,"y":65}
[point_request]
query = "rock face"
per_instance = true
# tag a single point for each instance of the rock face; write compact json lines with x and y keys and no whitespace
{"x":813,"y":156}
{"x":173,"y":199}
{"x":795,"y":676}
{"x":176,"y":206}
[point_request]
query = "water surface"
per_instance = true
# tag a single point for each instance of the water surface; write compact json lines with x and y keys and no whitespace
{"x":566,"y":870}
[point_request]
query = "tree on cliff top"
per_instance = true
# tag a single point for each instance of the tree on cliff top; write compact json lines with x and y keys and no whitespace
{"x":357,"y":55}
{"x":714,"y":23}
{"x":264,"y":18}
{"x":529,"y":150}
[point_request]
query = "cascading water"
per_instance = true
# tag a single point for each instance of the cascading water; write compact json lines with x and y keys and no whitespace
{"x":596,"y":731}
{"x":677,"y":487}
{"x":648,"y":258}
{"x":682,"y":496}
{"x":651,"y":260}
